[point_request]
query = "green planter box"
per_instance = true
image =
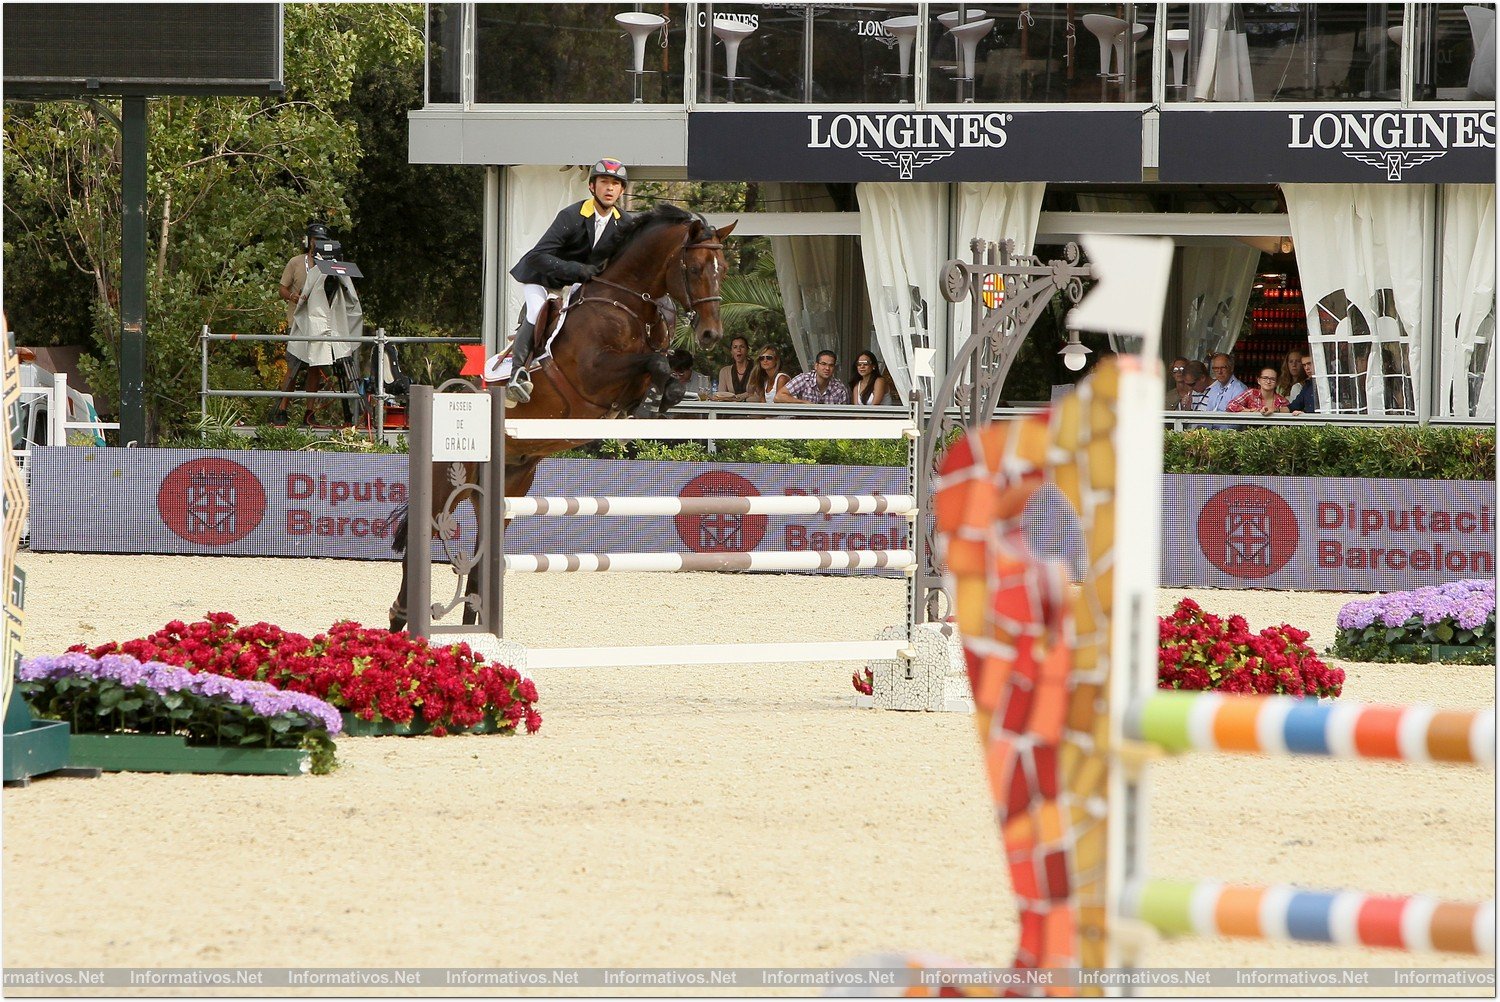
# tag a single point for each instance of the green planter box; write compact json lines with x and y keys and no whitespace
{"x":172,"y":753}
{"x":1428,"y":653}
{"x":39,"y":749}
{"x":357,"y":728}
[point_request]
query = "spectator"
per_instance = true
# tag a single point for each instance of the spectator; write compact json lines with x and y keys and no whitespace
{"x":817,"y":386}
{"x":767,"y":380}
{"x":1306,"y":400}
{"x":1263,"y":397}
{"x":1194,"y":387}
{"x":1289,"y":380}
{"x":869,"y":385}
{"x":698,"y":385}
{"x":1225,"y":387}
{"x":734,"y":378}
{"x":1176,"y":383}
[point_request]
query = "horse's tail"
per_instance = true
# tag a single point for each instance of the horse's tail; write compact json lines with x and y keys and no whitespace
{"x":398,"y":536}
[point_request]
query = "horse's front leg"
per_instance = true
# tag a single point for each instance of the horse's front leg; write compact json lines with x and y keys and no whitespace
{"x":670,"y":390}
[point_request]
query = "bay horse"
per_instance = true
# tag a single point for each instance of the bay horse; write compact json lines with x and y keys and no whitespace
{"x":609,"y":353}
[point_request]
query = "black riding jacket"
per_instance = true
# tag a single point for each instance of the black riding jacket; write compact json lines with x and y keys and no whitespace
{"x":560,"y":257}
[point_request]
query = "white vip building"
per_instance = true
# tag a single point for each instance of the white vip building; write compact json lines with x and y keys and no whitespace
{"x":1326,"y":171}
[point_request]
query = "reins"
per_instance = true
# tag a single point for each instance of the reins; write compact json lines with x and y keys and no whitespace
{"x":663,"y":306}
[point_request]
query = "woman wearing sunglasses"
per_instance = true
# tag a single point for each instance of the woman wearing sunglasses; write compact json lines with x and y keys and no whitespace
{"x":869,"y":385}
{"x":767,"y":379}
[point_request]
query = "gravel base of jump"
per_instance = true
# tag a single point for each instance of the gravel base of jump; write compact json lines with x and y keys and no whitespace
{"x":693,"y":816}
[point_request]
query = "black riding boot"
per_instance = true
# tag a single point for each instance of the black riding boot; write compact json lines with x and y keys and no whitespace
{"x":519,"y":389}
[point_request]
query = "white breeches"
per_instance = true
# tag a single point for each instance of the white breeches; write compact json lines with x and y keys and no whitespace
{"x":536,"y":295}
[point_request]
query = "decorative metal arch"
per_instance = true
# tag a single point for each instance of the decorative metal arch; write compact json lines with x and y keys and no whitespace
{"x":977,"y":373}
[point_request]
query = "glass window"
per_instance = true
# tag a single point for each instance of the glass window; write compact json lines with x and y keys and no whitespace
{"x":445,"y":53}
{"x":1455,"y":52}
{"x":1039,"y":52}
{"x":1284,"y":52}
{"x":575,"y":54}
{"x":806,"y":53}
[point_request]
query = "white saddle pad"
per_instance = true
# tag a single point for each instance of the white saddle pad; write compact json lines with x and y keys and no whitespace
{"x":497,"y":367}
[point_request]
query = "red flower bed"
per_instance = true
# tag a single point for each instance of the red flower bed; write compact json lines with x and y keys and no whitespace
{"x":1198,"y":651}
{"x":373,"y":673}
{"x":1201,"y":651}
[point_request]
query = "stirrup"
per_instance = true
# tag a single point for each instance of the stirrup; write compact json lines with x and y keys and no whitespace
{"x":518,"y":390}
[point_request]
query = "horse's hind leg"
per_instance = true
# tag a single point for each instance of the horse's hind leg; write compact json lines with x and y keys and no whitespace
{"x":472,"y":587}
{"x":398,"y":607}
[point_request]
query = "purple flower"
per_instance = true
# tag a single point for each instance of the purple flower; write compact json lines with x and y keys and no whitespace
{"x":1468,"y":604}
{"x":262,"y":697}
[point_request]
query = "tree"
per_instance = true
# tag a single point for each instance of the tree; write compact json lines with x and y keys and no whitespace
{"x":230,"y":185}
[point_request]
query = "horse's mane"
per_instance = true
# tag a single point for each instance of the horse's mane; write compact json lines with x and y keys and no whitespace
{"x":661,"y":214}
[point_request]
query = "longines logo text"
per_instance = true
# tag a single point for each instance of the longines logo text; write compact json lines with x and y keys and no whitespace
{"x":1393,"y":141}
{"x":908,"y":141}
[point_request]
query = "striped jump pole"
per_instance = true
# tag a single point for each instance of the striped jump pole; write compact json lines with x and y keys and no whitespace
{"x":1286,"y":725}
{"x":1341,"y":918}
{"x":780,"y":560}
{"x":725,"y":504}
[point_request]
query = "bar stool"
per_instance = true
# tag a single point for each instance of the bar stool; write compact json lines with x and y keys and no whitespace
{"x":731,"y":33}
{"x":640,"y":26}
{"x":968,"y":35}
{"x":1106,"y":29}
{"x":1177,"y":45}
{"x":904,"y":29}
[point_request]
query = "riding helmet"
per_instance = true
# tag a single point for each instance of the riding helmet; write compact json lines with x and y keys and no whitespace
{"x":610,"y":168}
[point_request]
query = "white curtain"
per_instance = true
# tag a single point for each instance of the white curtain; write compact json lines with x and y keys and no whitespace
{"x":807,"y":271}
{"x":1216,"y":286}
{"x":903,"y":240}
{"x":533,"y":197}
{"x":1466,"y":341}
{"x":1223,"y":55}
{"x":993,"y":211}
{"x":1359,"y":253}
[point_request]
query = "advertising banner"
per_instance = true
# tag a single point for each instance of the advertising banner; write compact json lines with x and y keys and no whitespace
{"x":1359,"y":146}
{"x":1294,"y":533}
{"x":993,"y":144}
{"x":1334,"y":534}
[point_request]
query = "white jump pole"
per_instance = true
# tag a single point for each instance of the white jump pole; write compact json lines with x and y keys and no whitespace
{"x":788,"y":560}
{"x":714,"y":654}
{"x":721,"y":504}
{"x":685,"y":429}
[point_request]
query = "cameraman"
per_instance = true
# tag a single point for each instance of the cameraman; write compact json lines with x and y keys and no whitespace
{"x":293,"y":284}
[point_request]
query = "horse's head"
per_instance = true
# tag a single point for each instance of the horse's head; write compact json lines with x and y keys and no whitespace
{"x":696,"y":284}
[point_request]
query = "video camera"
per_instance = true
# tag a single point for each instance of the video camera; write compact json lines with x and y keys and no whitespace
{"x":326,"y":251}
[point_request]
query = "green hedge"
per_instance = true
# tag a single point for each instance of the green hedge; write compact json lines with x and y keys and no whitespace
{"x":1408,"y":453}
{"x":1309,"y":451}
{"x":1411,"y":453}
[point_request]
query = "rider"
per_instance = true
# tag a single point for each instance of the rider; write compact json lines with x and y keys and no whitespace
{"x":574,"y":249}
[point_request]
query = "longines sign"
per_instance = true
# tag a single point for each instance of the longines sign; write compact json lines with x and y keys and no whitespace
{"x":1359,"y":145}
{"x":985,"y":144}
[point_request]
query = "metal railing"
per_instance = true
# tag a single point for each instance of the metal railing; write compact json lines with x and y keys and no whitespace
{"x":378,"y":341}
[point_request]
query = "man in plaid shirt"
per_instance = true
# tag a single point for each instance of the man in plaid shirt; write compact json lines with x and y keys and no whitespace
{"x":817,"y":386}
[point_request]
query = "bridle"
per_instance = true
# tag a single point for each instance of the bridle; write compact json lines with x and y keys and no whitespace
{"x":664,"y":305}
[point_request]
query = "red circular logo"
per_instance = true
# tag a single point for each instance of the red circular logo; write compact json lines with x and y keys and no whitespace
{"x":211,"y":501}
{"x":720,"y":533}
{"x":1247,"y":531}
